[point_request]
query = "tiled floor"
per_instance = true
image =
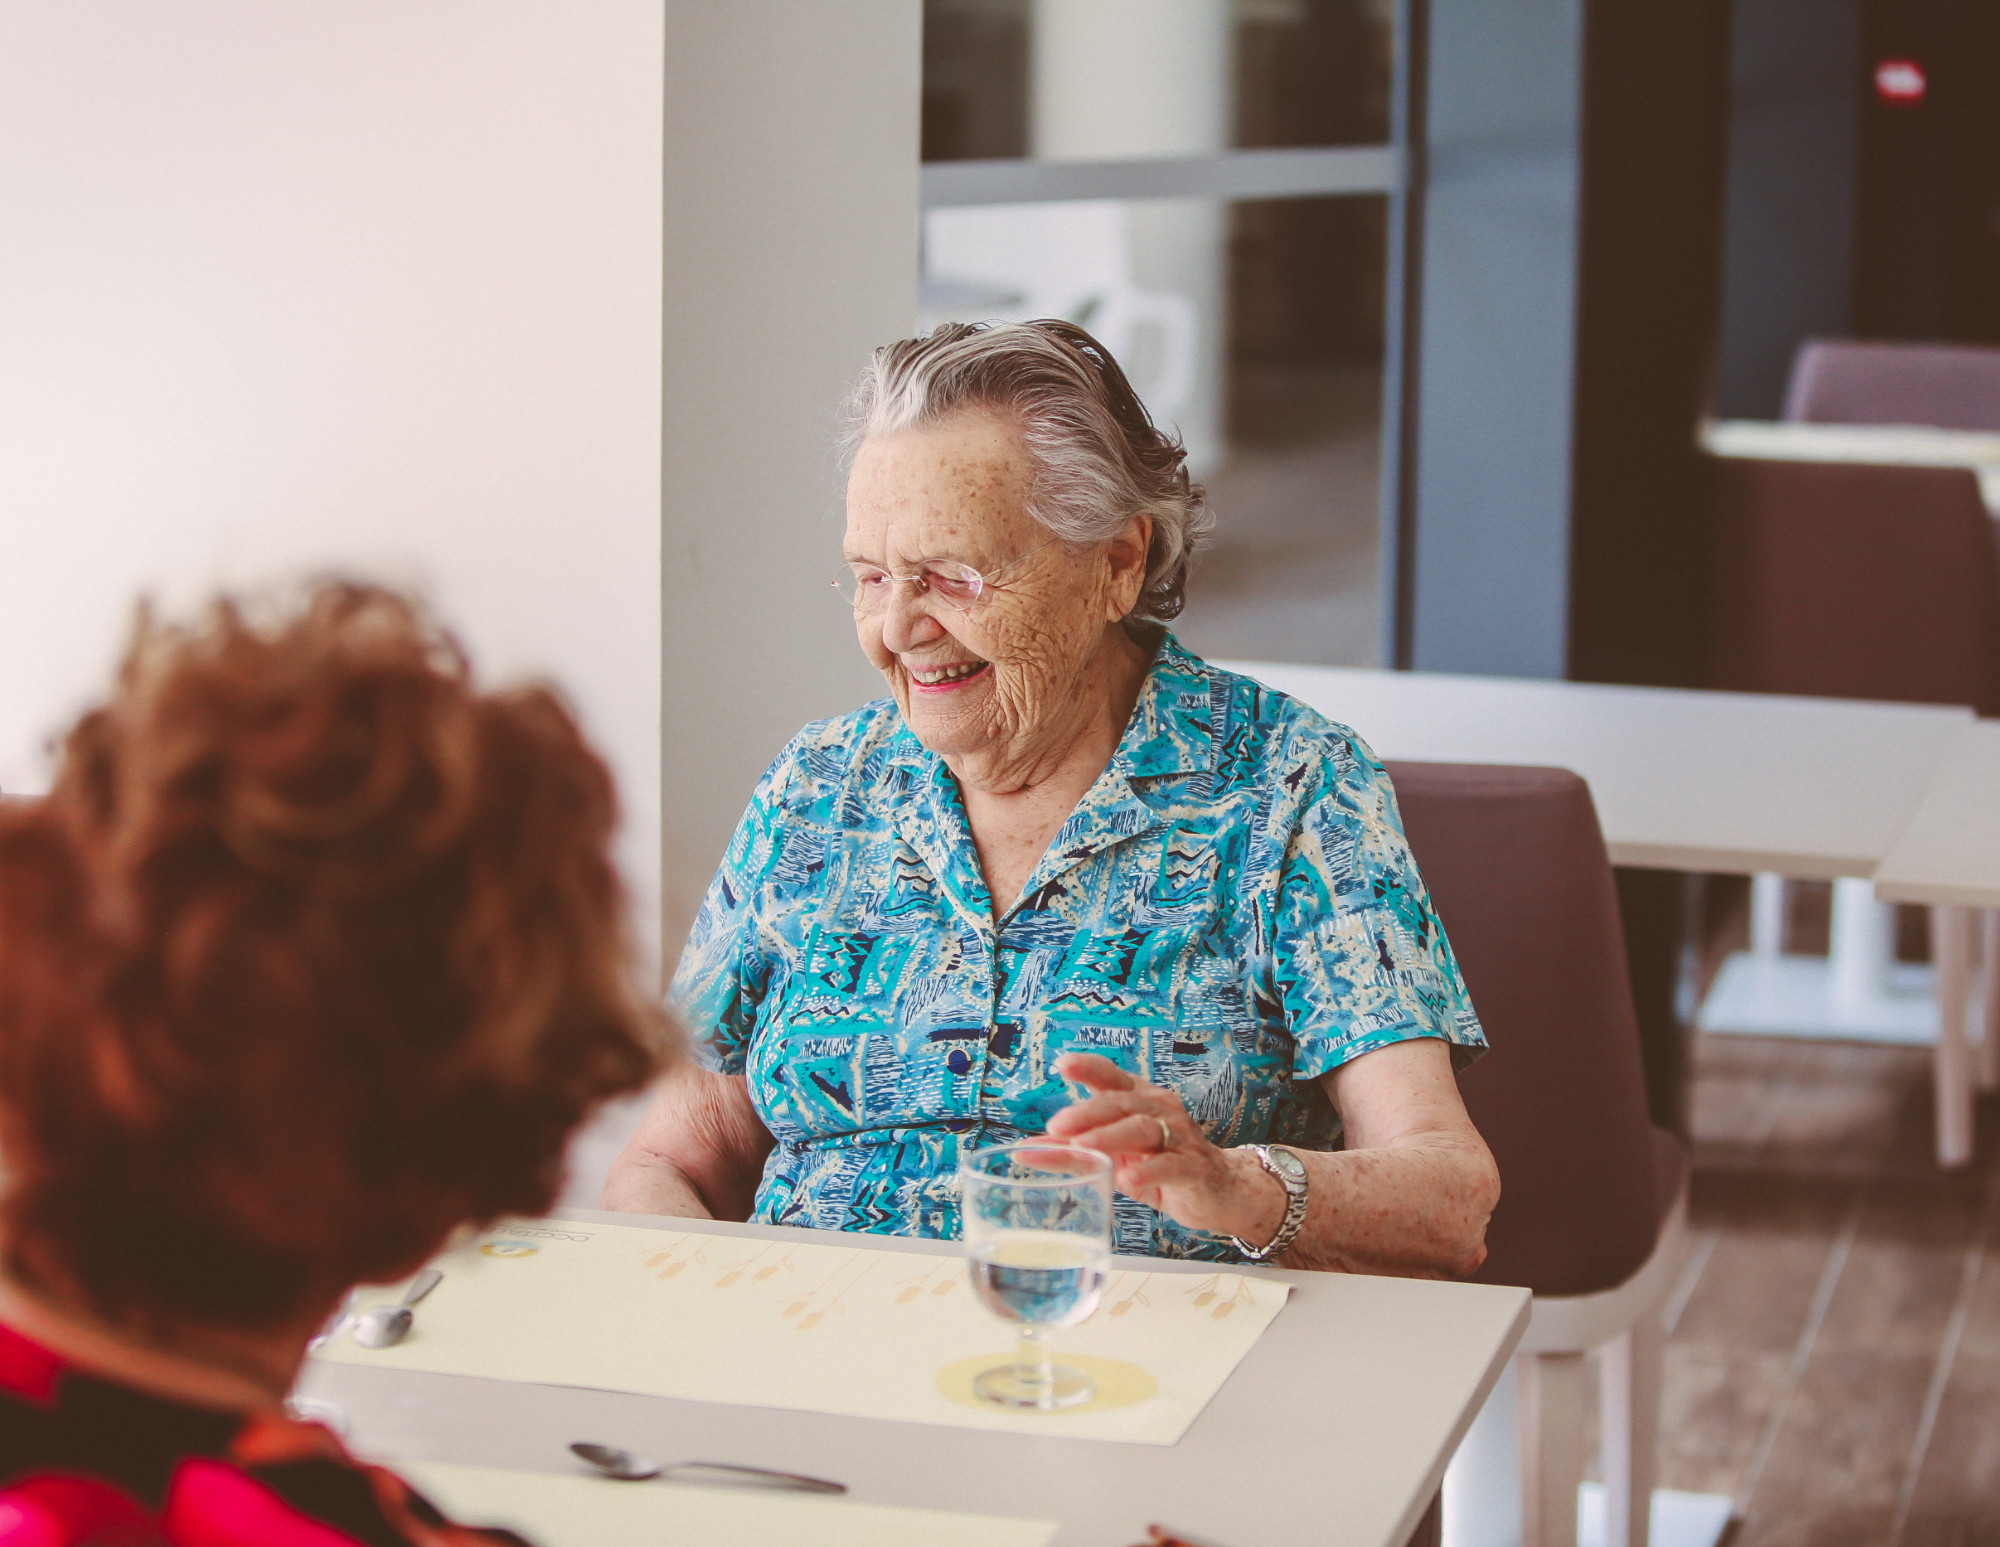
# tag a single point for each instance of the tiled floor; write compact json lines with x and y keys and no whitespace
{"x":1834,"y":1357}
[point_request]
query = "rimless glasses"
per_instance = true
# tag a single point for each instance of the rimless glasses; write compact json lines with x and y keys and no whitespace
{"x":867,"y":587}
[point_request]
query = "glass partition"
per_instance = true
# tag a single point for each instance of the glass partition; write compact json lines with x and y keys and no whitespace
{"x":1203,"y":184}
{"x":1204,"y":74}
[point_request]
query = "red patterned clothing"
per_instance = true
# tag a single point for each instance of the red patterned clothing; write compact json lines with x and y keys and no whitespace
{"x":87,"y":1463}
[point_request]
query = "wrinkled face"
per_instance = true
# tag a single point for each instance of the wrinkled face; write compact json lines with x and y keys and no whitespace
{"x":1011,"y":673}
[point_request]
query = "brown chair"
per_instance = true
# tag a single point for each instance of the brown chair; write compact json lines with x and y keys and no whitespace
{"x":1850,"y":381}
{"x":1592,"y":1207}
{"x":1852,"y":580}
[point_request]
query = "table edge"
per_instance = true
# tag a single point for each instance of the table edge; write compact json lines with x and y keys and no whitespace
{"x":1943,"y":894}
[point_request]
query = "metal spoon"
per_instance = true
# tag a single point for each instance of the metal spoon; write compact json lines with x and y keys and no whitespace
{"x":384,"y":1326}
{"x":629,"y":1467}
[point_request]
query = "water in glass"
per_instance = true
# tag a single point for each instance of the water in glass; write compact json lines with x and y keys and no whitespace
{"x":1037,"y":1221}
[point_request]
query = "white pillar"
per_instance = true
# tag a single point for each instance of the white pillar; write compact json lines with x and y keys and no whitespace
{"x":1150,"y":78}
{"x":791,"y":251}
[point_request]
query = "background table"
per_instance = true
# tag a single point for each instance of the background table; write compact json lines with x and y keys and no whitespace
{"x":1913,"y":445}
{"x":1948,"y":853}
{"x":1814,"y":788}
{"x":1334,"y":1431}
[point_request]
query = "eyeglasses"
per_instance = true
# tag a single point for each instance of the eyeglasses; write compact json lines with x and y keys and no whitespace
{"x":867,"y":587}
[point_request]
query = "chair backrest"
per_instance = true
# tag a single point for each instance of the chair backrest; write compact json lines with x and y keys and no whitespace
{"x":1851,"y":381}
{"x":1850,"y":580}
{"x":1517,"y":870}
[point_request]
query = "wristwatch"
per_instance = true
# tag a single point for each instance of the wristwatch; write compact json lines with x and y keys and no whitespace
{"x":1291,"y":1171}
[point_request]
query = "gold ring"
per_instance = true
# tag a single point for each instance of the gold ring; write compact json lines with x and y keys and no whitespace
{"x":1166,"y":1135}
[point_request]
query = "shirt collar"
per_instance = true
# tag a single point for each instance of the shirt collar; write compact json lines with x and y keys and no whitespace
{"x":1173,"y":725}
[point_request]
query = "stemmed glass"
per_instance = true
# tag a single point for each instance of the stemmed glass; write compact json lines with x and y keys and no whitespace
{"x":1037,"y":1222}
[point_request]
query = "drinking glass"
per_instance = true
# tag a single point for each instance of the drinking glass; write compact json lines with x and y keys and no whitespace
{"x":1037,"y":1222}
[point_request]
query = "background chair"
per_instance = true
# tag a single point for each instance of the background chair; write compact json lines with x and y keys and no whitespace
{"x":1851,"y":580}
{"x":1856,"y":581}
{"x":1849,"y":381}
{"x":1593,"y":1197}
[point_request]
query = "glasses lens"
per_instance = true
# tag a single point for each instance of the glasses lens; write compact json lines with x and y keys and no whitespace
{"x":958,"y":584}
{"x":861,"y":586}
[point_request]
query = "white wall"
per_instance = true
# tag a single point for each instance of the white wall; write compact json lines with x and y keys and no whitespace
{"x":371,"y":284}
{"x":791,"y":251}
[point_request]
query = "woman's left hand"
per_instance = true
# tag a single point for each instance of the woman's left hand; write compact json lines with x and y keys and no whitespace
{"x":1160,"y":1157}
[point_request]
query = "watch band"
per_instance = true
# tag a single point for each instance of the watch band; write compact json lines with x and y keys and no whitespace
{"x":1295,"y":1206}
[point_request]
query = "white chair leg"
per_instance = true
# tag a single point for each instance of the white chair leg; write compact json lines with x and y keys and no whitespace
{"x":1629,"y":1421}
{"x":1482,"y":1486}
{"x":1550,"y":1391}
{"x":1989,"y":1020}
{"x":1951,"y":950}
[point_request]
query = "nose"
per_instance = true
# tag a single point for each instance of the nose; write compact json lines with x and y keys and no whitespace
{"x":906,"y":619}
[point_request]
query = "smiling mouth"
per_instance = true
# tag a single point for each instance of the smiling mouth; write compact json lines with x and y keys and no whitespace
{"x":954,"y":675}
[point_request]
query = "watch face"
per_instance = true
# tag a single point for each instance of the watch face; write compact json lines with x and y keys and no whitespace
{"x":1293,"y":1168}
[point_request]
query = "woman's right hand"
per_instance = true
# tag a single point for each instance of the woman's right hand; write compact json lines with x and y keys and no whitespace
{"x":698,"y":1153}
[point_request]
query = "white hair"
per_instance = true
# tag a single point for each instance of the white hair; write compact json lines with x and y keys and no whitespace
{"x":1099,"y":458}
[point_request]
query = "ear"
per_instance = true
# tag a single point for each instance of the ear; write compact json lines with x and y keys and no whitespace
{"x":1125,"y":560}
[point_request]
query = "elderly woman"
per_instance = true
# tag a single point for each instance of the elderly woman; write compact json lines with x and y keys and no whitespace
{"x":1065,"y":859}
{"x":312,"y":955}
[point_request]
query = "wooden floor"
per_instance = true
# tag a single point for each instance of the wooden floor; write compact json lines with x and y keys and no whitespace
{"x":1833,"y":1363}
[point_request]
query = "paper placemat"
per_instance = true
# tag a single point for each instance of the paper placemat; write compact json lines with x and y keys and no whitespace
{"x":556,"y":1511}
{"x":851,"y":1330}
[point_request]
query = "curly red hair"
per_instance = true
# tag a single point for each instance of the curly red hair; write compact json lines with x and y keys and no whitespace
{"x":312,"y":954}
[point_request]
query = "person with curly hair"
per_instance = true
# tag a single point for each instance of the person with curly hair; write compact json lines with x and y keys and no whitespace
{"x":1067,"y":878}
{"x":312,"y":955}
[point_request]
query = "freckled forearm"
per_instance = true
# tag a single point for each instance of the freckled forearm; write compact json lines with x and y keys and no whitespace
{"x":1417,"y":1209}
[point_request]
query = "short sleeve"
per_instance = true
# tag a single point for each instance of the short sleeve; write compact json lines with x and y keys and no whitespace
{"x":725,"y":967}
{"x":1360,"y":958}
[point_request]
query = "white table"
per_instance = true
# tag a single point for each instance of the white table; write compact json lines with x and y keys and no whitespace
{"x":1948,"y":857}
{"x":1735,"y":783}
{"x":1908,"y":445}
{"x":1861,"y":991}
{"x":1335,"y":1430}
{"x":1948,"y":853}
{"x":1814,"y":788}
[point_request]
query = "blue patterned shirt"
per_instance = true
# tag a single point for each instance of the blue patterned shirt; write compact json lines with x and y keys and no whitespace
{"x":1230,"y":911}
